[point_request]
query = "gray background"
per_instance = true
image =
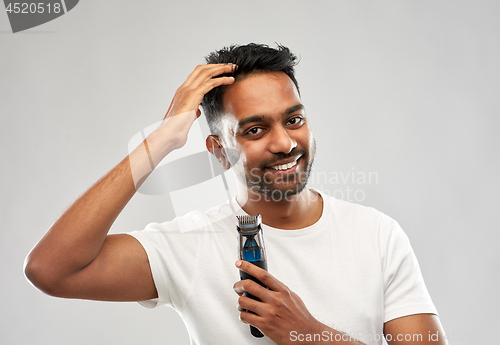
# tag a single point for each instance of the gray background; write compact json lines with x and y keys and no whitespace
{"x":406,"y":89}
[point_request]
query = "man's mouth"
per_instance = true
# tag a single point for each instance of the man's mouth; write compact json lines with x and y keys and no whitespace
{"x":284,"y":166}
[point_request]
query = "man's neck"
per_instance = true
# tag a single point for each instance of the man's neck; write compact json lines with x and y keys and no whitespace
{"x":291,"y":213}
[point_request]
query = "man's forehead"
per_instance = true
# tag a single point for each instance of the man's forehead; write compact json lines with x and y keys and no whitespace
{"x":260,"y":94}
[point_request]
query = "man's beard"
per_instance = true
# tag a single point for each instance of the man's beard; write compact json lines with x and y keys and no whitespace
{"x":283,"y":185}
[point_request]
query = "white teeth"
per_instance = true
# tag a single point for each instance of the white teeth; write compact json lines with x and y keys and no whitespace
{"x":284,"y":166}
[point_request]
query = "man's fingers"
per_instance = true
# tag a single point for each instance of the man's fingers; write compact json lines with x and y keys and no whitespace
{"x":247,"y":303}
{"x":211,"y":77}
{"x":190,"y":94}
{"x":252,"y":288}
{"x":193,"y":97}
{"x":202,"y":73}
{"x":249,"y":318}
{"x":198,"y":69}
{"x":262,"y":275}
{"x":214,"y":82}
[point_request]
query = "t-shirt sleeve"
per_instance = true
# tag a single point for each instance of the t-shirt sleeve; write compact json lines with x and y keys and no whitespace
{"x":405,"y":292}
{"x":173,"y":253}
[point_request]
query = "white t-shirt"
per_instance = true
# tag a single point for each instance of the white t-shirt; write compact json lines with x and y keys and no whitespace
{"x":354,"y":269}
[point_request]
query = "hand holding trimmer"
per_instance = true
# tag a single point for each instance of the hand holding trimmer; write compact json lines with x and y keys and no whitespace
{"x":252,"y":250}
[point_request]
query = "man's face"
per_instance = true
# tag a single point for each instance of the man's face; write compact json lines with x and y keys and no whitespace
{"x":265,"y":121}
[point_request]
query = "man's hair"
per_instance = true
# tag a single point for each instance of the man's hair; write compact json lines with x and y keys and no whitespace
{"x":251,"y":58}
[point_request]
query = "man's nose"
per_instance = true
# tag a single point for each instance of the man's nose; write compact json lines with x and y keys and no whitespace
{"x":281,"y":141}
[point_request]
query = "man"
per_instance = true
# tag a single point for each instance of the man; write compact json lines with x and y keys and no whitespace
{"x":350,"y":272}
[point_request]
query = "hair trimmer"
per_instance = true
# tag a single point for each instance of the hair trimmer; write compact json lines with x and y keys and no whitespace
{"x":252,"y":250}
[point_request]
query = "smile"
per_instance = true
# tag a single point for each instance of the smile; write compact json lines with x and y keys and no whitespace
{"x":284,"y":166}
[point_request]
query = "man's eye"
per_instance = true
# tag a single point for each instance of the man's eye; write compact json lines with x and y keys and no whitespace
{"x":295,"y":120}
{"x":254,"y":131}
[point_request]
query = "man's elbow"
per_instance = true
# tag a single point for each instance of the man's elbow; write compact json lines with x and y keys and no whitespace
{"x":39,"y":276}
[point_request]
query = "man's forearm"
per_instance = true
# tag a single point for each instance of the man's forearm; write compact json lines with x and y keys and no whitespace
{"x":77,"y":236}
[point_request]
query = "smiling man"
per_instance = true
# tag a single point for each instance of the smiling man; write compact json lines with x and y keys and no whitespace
{"x":339,"y":273}
{"x":266,"y":123}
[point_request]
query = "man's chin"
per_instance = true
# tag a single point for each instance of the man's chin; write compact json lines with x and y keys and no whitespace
{"x":274,"y":193}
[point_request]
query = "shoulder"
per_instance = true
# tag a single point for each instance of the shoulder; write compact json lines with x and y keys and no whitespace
{"x":364,"y":222}
{"x":370,"y":229}
{"x":197,"y":220}
{"x":349,"y":212}
{"x":190,"y":231}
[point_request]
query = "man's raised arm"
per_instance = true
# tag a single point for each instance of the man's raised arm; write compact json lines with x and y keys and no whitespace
{"x":77,"y":258}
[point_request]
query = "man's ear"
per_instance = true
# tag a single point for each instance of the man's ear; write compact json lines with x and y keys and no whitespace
{"x":214,"y":146}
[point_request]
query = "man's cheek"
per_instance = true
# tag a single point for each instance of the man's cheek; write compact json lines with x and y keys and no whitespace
{"x":266,"y":178}
{"x":255,"y":174}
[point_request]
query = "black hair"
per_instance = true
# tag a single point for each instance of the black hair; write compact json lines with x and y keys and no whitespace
{"x":250,"y":58}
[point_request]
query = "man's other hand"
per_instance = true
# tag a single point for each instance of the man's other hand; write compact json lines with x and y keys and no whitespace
{"x":280,"y":310}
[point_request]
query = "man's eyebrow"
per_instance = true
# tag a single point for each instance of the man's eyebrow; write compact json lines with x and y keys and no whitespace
{"x":294,"y":109}
{"x":251,"y":119}
{"x":262,"y":118}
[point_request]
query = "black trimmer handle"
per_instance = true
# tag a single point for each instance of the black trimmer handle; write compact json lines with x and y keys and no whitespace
{"x":243,"y":275}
